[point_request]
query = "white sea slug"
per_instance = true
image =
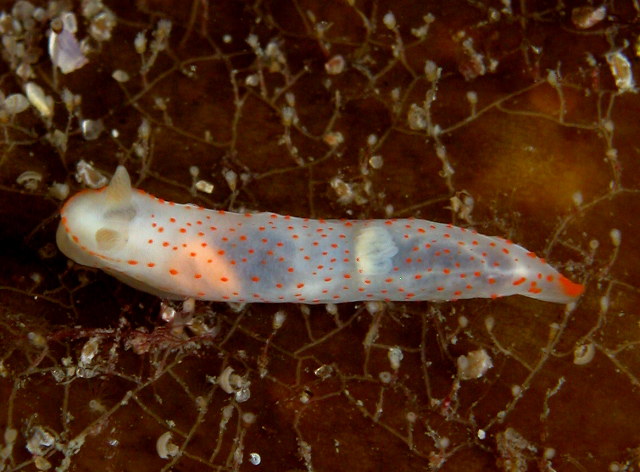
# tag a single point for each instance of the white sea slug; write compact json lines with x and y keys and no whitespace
{"x":179,"y":251}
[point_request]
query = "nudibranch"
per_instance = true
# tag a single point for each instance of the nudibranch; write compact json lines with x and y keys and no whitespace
{"x":179,"y":251}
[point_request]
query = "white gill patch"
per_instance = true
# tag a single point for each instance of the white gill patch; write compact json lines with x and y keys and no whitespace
{"x":374,"y":250}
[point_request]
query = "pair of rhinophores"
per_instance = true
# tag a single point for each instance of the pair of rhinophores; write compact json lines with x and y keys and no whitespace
{"x":180,"y":251}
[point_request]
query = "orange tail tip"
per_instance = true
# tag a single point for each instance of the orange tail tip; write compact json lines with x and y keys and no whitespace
{"x":570,"y":288}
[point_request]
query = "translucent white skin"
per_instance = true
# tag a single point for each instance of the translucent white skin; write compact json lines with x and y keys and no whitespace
{"x":180,"y":251}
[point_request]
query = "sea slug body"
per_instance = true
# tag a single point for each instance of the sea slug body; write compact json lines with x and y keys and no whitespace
{"x":180,"y":251}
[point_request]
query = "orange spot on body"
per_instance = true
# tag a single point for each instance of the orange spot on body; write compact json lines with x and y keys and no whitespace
{"x":520,"y":281}
{"x":173,"y":272}
{"x":132,"y":262}
{"x":570,"y":288}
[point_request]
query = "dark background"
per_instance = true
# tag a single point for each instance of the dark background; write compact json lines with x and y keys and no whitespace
{"x":90,"y":373}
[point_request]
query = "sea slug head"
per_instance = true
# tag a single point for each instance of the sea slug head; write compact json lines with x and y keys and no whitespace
{"x":95,"y":224}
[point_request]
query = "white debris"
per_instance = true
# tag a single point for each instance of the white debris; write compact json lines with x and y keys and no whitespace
{"x":622,"y":72}
{"x":389,"y":20}
{"x":29,"y":179}
{"x":120,"y":76}
{"x":87,"y":175}
{"x":615,"y":236}
{"x":16,"y":103}
{"x":64,"y":49}
{"x":587,"y":16}
{"x":40,"y":101}
{"x":59,"y":191}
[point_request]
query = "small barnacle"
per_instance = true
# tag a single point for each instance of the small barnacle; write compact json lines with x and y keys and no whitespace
{"x":587,"y":16}
{"x":584,"y":353}
{"x":91,"y":129}
{"x":234,"y":384}
{"x":489,"y":323}
{"x":161,"y":35}
{"x":10,"y":435}
{"x":472,"y":98}
{"x":389,"y":20}
{"x":167,"y":313}
{"x":376,"y":161}
{"x":37,"y":340}
{"x":58,"y":139}
{"x":89,"y":350}
{"x":417,"y":117}
{"x":102,"y":25}
{"x":289,"y":116}
{"x":331,"y":308}
{"x":577,"y":198}
{"x":120,"y":76}
{"x":472,"y":64}
{"x":395,"y":356}
{"x":165,"y":448}
{"x":333,"y":138}
{"x":39,"y":441}
{"x":274,"y":56}
{"x":290,"y":98}
{"x":254,"y":458}
{"x":140,"y":42}
{"x":252,"y":80}
{"x":432,"y":71}
{"x":385,"y":377}
{"x":279,"y":318}
{"x":344,"y":190}
{"x":335,"y":65}
{"x":41,"y":463}
{"x":231,"y":177}
{"x":71,"y":101}
{"x":615,"y":236}
{"x":324,"y":371}
{"x":474,"y":365}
